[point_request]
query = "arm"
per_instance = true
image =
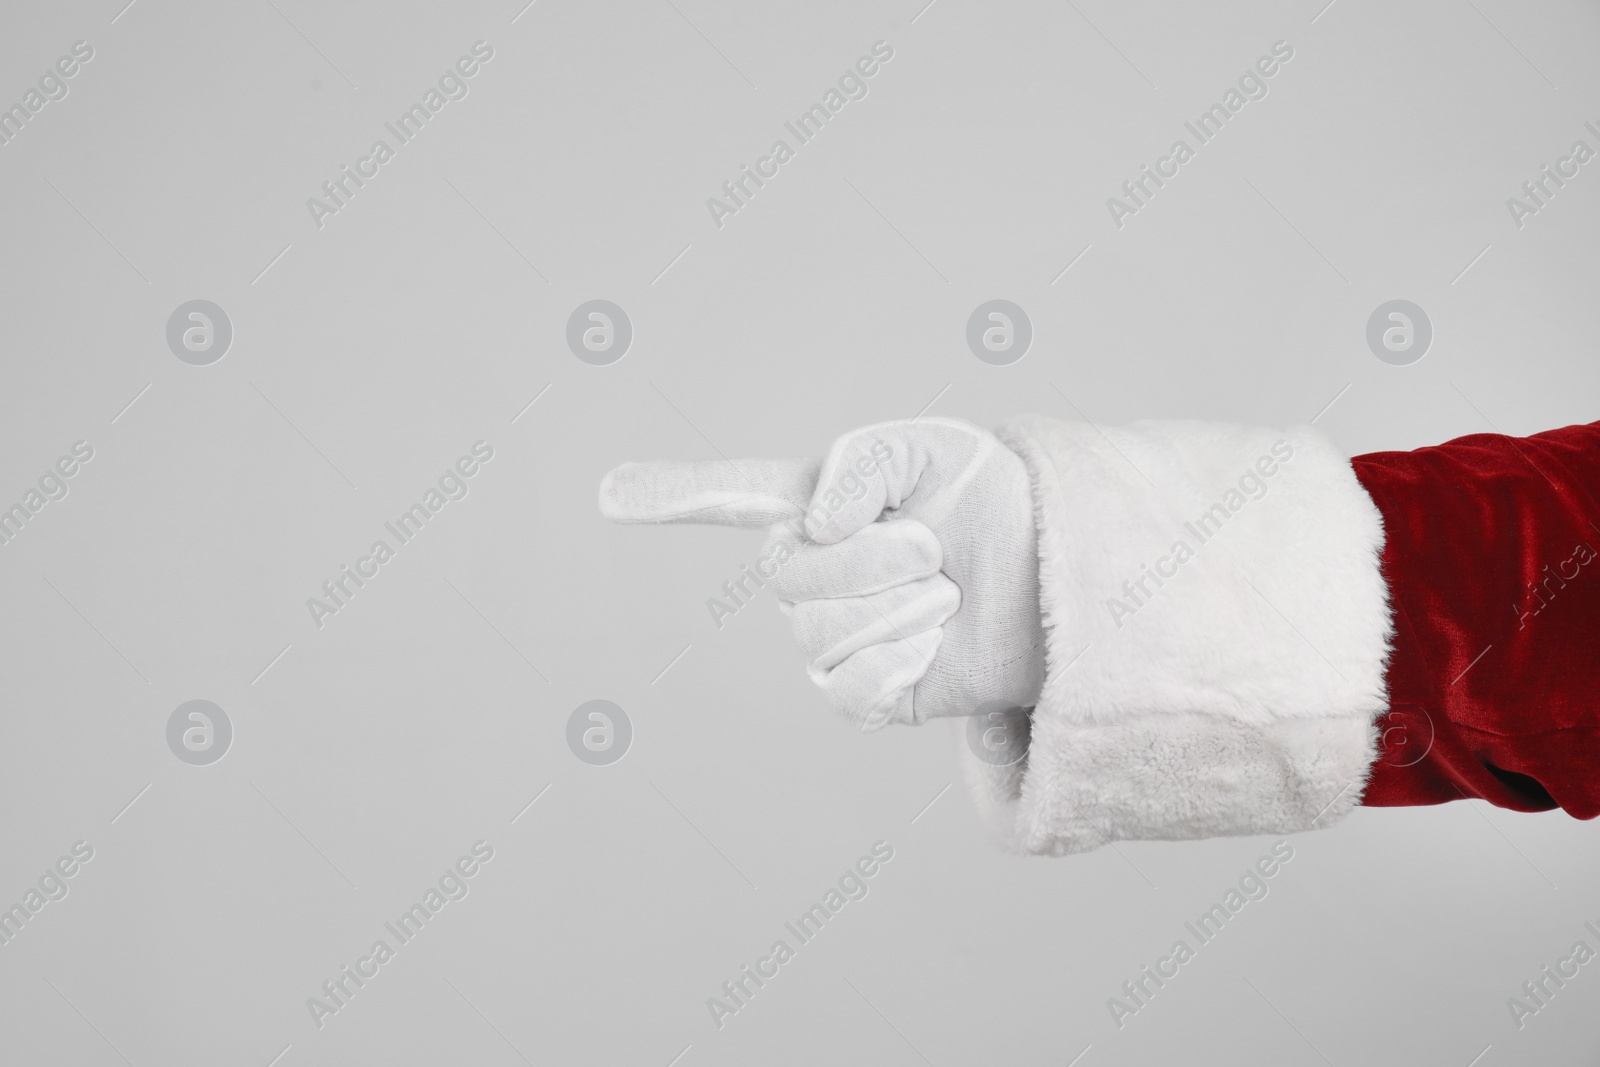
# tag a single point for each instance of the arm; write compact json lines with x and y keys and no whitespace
{"x":1237,"y":629}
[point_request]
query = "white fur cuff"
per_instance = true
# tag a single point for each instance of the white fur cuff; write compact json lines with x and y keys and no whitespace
{"x":1217,"y":627}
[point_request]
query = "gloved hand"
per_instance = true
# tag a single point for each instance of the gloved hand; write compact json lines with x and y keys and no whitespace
{"x":907,"y":564}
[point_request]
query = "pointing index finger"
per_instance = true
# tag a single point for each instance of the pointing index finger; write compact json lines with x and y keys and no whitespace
{"x":750,"y":493}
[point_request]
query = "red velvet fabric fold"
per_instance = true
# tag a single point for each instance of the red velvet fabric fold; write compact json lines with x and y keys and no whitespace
{"x":1492,"y":556}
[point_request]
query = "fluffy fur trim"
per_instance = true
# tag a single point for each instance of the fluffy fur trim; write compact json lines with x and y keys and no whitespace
{"x":1217,"y":628}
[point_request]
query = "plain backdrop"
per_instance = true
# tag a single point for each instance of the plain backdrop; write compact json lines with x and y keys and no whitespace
{"x":369,"y":353}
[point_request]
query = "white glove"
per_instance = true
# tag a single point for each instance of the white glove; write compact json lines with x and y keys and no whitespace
{"x":913,"y":583}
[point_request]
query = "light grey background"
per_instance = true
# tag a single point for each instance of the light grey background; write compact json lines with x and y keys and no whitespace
{"x":373,"y":752}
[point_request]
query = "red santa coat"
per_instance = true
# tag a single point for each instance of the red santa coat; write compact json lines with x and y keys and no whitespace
{"x":1494,"y":584}
{"x":1247,"y":632}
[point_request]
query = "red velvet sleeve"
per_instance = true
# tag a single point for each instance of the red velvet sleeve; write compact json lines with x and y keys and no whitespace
{"x":1491,"y":559}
